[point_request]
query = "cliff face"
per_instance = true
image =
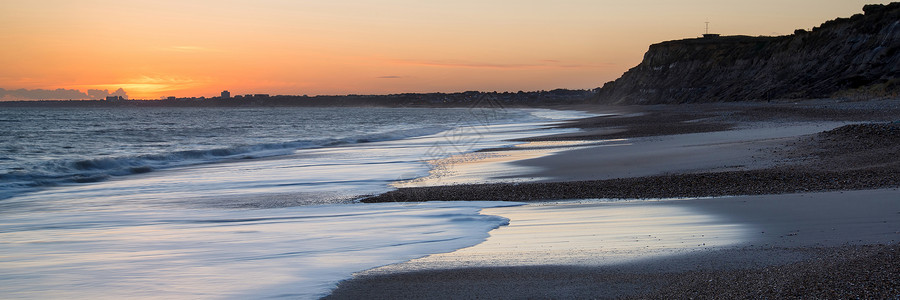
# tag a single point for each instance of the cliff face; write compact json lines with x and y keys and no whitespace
{"x":861,"y":53}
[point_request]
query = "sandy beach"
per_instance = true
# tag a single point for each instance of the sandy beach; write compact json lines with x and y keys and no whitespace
{"x":661,"y":249}
{"x":777,"y":200}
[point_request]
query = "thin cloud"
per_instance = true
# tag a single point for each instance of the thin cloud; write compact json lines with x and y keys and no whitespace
{"x":542,"y":64}
{"x":587,"y":66}
{"x":189,"y":49}
{"x":151,"y":79}
{"x":389,"y":77}
{"x":562,"y":65}
{"x":58,"y":94}
{"x":465,"y":64}
{"x":152,"y":85}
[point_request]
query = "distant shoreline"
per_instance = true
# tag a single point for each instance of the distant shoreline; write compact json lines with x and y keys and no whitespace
{"x":461,"y":99}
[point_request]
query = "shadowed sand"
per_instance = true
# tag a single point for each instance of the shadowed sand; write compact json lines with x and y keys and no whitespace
{"x":812,"y":210}
{"x":595,"y":249}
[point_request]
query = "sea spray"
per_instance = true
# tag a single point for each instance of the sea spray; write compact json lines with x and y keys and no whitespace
{"x":297,"y":253}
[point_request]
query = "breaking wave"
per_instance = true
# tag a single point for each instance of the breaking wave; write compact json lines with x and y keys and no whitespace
{"x":88,"y":170}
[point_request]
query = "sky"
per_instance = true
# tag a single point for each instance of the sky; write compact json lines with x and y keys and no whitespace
{"x":185,"y":48}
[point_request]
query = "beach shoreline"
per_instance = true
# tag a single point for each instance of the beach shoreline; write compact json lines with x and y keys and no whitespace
{"x":833,"y":244}
{"x":816,"y":159}
{"x":766,"y":149}
{"x":852,"y":271}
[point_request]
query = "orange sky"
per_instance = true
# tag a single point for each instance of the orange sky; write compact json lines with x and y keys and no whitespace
{"x":157,"y":48}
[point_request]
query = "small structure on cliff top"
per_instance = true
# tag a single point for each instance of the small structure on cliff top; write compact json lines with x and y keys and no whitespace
{"x":708,"y":35}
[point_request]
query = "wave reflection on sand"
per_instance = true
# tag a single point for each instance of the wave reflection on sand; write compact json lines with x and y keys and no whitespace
{"x":590,"y":232}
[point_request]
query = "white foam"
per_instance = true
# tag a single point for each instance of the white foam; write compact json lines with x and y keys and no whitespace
{"x":186,"y":232}
{"x":295,"y":253}
{"x":558,"y":115}
{"x":101,"y":168}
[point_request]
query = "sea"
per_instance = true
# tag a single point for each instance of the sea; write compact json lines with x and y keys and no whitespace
{"x":231,"y":203}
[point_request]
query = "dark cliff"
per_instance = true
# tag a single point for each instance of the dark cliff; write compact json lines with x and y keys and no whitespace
{"x":846,"y":56}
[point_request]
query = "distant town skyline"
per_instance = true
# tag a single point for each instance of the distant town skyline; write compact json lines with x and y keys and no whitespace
{"x":157,"y":49}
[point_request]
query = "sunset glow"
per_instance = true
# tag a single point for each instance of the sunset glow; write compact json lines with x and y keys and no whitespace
{"x":154,"y":49}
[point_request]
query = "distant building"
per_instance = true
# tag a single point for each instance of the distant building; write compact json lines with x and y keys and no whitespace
{"x":171,"y":98}
{"x":115,"y":98}
{"x":226,"y":94}
{"x":261,"y":95}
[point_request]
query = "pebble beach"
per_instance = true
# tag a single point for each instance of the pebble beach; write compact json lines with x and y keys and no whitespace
{"x":808,"y":193}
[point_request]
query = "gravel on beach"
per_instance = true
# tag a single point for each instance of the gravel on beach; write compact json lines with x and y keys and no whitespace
{"x":755,"y":182}
{"x":850,"y":272}
{"x":851,"y":157}
{"x":843,"y":272}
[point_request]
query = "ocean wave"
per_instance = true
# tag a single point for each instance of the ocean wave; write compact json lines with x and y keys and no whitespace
{"x":55,"y":172}
{"x":561,"y":115}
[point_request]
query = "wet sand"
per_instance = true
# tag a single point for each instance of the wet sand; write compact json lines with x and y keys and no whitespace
{"x":666,"y":248}
{"x":765,"y":151}
{"x":812,"y":210}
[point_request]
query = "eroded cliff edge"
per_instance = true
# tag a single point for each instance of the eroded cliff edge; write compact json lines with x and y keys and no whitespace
{"x":846,"y":57}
